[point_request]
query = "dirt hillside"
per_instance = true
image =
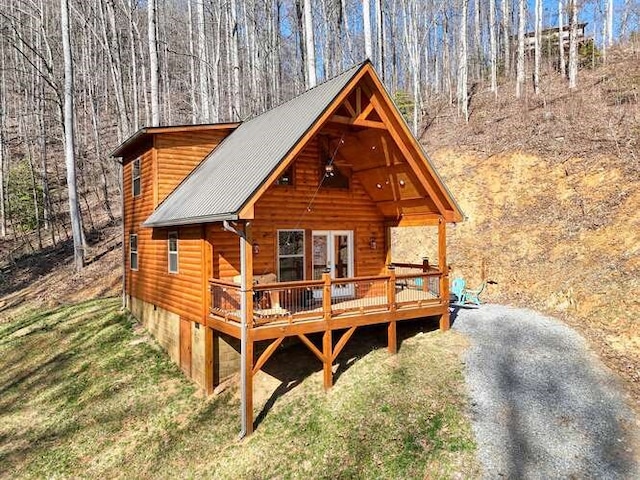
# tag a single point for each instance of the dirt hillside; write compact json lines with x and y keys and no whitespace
{"x":550,"y":186}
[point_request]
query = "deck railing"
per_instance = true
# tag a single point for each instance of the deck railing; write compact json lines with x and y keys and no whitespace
{"x":225,"y":299}
{"x":327,"y":298}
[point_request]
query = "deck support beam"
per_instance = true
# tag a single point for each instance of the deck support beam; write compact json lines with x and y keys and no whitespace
{"x":327,"y":362}
{"x":444,"y":268}
{"x":392,"y":344}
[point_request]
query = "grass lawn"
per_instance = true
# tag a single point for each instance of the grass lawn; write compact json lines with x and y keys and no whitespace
{"x":84,"y":393}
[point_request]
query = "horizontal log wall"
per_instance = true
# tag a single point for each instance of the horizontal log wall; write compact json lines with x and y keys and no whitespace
{"x":179,"y":153}
{"x":289,"y":207}
{"x":162,"y":169}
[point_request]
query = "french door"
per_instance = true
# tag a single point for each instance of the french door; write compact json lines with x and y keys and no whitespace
{"x":333,"y":249}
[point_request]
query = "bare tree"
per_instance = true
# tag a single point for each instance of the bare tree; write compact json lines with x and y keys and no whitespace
{"x":463,"y":96}
{"x":205,"y":115}
{"x":309,"y":45}
{"x":506,"y":40}
{"x":563,"y":63}
{"x":537,"y":46}
{"x":69,"y":138}
{"x":153,"y":63}
{"x":235,"y":62}
{"x":573,"y":44}
{"x":493,"y":49}
{"x":366,"y":20}
{"x":520,"y":74}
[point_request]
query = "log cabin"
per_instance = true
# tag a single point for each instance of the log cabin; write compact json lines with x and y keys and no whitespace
{"x":239,"y":235}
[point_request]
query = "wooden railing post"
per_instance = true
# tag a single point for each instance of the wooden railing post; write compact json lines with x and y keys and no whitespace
{"x":326,"y":295}
{"x":391,"y":288}
{"x":425,"y":269}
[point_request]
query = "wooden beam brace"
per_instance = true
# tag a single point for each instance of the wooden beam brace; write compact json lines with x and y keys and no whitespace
{"x":358,"y":123}
{"x":347,"y":105}
{"x":365,"y":113}
{"x":267,"y":354}
{"x":311,"y":346}
{"x":409,"y":156}
{"x":342,"y":342}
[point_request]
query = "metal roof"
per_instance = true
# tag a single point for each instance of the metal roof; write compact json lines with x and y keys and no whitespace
{"x":227,"y":178}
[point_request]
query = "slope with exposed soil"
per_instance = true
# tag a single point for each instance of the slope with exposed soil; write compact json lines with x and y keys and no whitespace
{"x":550,"y":186}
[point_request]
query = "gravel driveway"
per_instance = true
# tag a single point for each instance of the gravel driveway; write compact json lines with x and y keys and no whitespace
{"x":543,"y":406}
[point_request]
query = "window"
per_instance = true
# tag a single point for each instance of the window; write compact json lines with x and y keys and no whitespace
{"x":286,"y":178}
{"x":135,"y":177}
{"x":173,"y":252}
{"x":290,"y":255}
{"x":133,"y":252}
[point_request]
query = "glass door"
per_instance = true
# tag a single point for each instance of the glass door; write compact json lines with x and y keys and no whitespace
{"x":333,"y":249}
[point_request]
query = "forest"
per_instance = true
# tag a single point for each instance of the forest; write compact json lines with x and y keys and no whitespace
{"x":79,"y":77}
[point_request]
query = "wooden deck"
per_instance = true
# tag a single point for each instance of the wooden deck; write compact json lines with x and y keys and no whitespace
{"x":292,"y":308}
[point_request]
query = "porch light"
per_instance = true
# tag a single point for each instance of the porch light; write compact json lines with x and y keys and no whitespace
{"x":328,"y":170}
{"x":372,"y":243}
{"x":256,"y":248}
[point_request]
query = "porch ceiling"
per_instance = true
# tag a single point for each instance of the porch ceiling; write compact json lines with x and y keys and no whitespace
{"x":377,"y":163}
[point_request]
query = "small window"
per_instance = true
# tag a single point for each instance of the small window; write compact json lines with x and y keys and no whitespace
{"x":286,"y":178}
{"x":135,"y":177}
{"x":290,"y":255}
{"x":133,"y":252}
{"x":173,"y":252}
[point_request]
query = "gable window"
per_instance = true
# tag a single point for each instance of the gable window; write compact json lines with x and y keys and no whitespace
{"x":286,"y":178}
{"x":290,"y":255}
{"x":135,"y":177}
{"x":133,"y":251}
{"x":173,"y":252}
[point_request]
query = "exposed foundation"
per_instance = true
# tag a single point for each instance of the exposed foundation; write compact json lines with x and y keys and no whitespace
{"x":165,"y":328}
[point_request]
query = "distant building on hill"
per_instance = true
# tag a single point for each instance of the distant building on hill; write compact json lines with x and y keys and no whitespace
{"x":550,"y":37}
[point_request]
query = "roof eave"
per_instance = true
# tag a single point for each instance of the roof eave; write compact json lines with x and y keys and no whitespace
{"x":192,"y":220}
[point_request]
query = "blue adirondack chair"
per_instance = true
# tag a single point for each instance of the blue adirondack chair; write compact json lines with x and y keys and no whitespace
{"x":458,"y":288}
{"x":473,"y":295}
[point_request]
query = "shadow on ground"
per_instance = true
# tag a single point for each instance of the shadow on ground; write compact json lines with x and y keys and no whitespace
{"x":293,"y":362}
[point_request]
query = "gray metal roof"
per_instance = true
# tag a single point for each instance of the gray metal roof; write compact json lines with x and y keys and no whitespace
{"x":220,"y":186}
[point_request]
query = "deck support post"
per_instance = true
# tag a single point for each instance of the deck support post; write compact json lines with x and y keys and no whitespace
{"x":208,"y":360}
{"x":444,"y":277}
{"x":246,"y":314}
{"x":392,"y":342}
{"x":327,"y":362}
{"x":327,"y":354}
{"x":392,"y":346}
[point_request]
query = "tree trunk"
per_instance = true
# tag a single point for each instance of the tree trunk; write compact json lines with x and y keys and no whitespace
{"x":153,"y":63}
{"x":235,"y":61}
{"x":573,"y":44}
{"x":366,"y":23}
{"x":463,"y":97}
{"x":380,"y":39}
{"x":205,"y":112}
{"x":493,"y":47}
{"x":309,"y":45}
{"x":69,"y":148}
{"x":506,"y":40}
{"x":537,"y":47}
{"x":563,"y":64}
{"x":520,"y":75}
